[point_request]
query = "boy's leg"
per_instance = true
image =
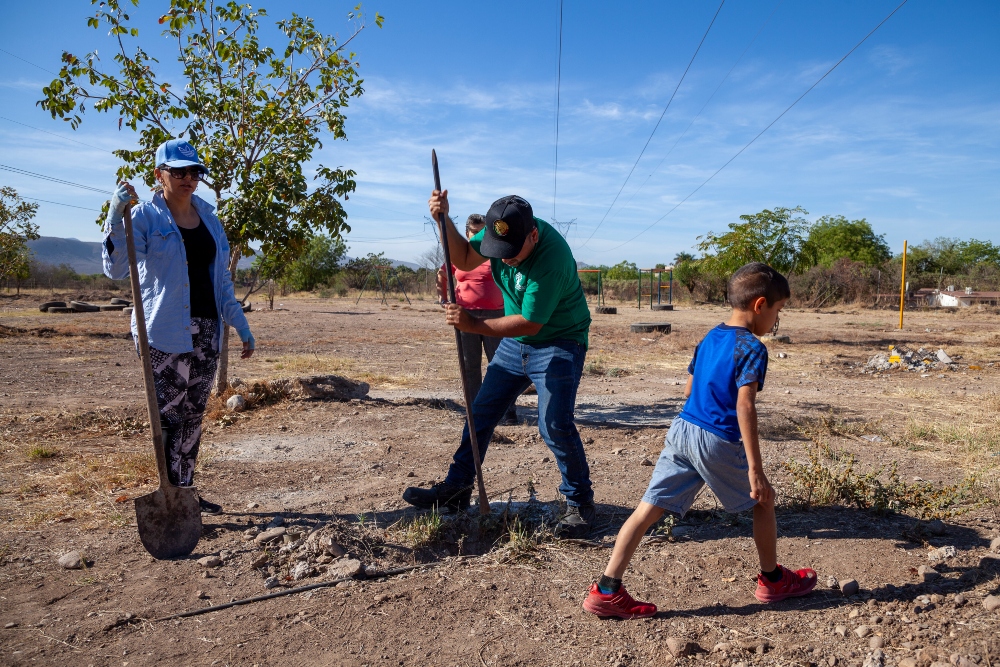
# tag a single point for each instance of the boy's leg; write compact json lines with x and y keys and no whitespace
{"x":644,"y":516}
{"x":765,"y":536}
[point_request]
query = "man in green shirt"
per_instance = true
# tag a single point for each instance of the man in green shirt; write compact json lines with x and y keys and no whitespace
{"x":544,"y":333}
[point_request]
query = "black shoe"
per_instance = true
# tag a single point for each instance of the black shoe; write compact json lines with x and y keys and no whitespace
{"x":441,"y":496}
{"x":578,"y":521}
{"x":209,"y":508}
{"x":509,"y":419}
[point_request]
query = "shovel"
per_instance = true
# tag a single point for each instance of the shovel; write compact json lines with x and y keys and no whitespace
{"x":169,"y":518}
{"x":484,"y":503}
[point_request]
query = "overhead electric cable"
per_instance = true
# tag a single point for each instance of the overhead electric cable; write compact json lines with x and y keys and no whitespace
{"x":646,"y":145}
{"x":24,"y":172}
{"x":555,"y":168}
{"x":703,"y":107}
{"x":28,"y":61}
{"x":59,"y":203}
{"x":749,"y":143}
{"x":30,"y":127}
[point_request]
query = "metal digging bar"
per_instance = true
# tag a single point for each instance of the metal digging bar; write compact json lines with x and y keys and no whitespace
{"x":484,"y":503}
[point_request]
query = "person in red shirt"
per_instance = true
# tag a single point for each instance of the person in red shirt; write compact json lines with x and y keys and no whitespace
{"x":477,"y":293}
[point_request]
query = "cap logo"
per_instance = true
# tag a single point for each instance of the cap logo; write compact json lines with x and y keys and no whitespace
{"x":186,"y":150}
{"x":501,"y":228}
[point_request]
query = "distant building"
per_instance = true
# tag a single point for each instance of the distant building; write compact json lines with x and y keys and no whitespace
{"x":952,"y":298}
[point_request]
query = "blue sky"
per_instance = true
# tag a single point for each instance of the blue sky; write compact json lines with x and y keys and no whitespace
{"x":904,"y":133}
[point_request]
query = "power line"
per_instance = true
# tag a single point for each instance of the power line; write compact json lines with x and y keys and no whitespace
{"x":62,"y":204}
{"x":29,"y":62}
{"x":749,"y":143}
{"x":555,"y":168}
{"x":690,"y":62}
{"x":703,"y":107}
{"x":30,"y":127}
{"x":24,"y":172}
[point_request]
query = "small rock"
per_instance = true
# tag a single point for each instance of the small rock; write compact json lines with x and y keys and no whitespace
{"x":960,"y":599}
{"x":832,"y":582}
{"x":200,"y":595}
{"x":645,"y":462}
{"x":236,"y":402}
{"x":261,"y":561}
{"x":991,"y":602}
{"x":411,"y":474}
{"x":841,"y":630}
{"x":862,"y":631}
{"x":909,"y":661}
{"x":876,"y":642}
{"x":618,"y":451}
{"x":71,"y":561}
{"x":936,"y":527}
{"x":942,"y":553}
{"x":832,"y":660}
{"x":849,"y":587}
{"x":347,"y":567}
{"x":252,"y":505}
{"x":333,"y":548}
{"x":875,"y":659}
{"x":271,"y":582}
{"x":10,"y":625}
{"x":316,"y":478}
{"x":210,"y":561}
{"x":927,"y":573}
{"x":270,"y":535}
{"x":545,"y":459}
{"x":680,"y":647}
{"x":301,"y":571}
{"x":995,"y":544}
{"x":276,"y":521}
{"x":854,"y":613}
{"x":251,"y":533}
{"x":782,"y":355}
{"x":721,"y":647}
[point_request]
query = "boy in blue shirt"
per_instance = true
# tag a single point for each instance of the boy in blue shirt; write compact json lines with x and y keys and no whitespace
{"x":703,"y":446}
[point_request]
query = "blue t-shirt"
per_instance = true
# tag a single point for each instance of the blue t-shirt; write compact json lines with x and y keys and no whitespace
{"x":726,"y":359}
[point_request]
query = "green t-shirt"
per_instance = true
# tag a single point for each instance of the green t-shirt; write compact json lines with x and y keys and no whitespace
{"x":544,"y":289}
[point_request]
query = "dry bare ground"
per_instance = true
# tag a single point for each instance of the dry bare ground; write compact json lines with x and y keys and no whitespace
{"x":74,"y":452}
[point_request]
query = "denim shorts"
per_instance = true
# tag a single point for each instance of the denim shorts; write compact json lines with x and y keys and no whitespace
{"x":693,"y":457}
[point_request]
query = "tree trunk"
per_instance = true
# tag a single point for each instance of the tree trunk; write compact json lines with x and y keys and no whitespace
{"x":222,"y":379}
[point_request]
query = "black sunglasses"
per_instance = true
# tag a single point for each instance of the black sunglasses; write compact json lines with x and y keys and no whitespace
{"x":196,"y":173}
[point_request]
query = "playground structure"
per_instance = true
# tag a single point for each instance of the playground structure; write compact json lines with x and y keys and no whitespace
{"x":600,"y":308}
{"x":659,"y":305}
{"x":383,"y":274}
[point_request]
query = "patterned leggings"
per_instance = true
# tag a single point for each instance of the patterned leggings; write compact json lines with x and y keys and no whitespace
{"x":183,"y":383}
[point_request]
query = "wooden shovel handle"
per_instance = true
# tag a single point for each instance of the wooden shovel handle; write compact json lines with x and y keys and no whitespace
{"x":147,"y":362}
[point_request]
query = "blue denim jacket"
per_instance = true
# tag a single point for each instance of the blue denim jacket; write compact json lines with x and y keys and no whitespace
{"x":163,"y":275}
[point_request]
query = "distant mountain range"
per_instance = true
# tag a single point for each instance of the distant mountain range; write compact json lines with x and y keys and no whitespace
{"x":85,"y":256}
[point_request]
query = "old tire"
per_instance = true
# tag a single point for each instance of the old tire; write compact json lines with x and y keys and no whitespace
{"x":663,"y":306}
{"x":606,"y":310}
{"x":115,"y":301}
{"x":51,"y":304}
{"x":127,"y":311}
{"x":84,"y":307}
{"x":60,"y":309}
{"x":247,"y":308}
{"x":111,"y":306}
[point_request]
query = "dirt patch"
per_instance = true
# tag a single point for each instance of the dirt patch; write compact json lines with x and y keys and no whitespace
{"x":74,"y":453}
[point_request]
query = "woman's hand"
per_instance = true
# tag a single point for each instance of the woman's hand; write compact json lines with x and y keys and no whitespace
{"x":124,"y":196}
{"x":247,"y":350}
{"x":438,"y":204}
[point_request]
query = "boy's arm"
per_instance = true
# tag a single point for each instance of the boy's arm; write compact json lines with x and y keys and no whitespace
{"x":687,"y":387}
{"x":746,"y":414}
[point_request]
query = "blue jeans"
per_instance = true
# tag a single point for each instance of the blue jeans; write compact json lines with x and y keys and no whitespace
{"x":555,"y":368}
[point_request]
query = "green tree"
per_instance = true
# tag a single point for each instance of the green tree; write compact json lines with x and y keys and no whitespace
{"x":682,"y":257}
{"x":833,"y":237}
{"x":624,"y":270}
{"x":16,"y":229}
{"x":774,"y":237}
{"x":254,"y":112}
{"x":317,"y":264}
{"x":356,"y":271}
{"x":688,"y":273}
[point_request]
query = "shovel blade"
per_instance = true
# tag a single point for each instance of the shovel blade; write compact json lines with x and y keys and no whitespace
{"x":169,"y":521}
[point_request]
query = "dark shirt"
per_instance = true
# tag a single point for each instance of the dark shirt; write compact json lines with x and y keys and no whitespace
{"x":200,"y":249}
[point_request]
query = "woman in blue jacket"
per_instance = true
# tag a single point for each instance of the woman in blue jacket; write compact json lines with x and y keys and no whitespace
{"x":187,"y":296}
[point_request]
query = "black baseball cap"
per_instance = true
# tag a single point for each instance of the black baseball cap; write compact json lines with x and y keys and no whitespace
{"x":508,"y":223}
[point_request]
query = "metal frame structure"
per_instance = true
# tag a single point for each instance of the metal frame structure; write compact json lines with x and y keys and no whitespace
{"x":659,"y":286}
{"x":390,"y":273}
{"x":600,"y":284}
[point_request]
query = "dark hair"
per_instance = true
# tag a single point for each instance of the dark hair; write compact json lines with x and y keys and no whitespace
{"x":755,"y":280}
{"x":475,"y":220}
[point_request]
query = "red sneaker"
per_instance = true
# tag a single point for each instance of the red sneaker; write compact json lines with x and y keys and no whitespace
{"x":620,"y":604}
{"x":791,"y":584}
